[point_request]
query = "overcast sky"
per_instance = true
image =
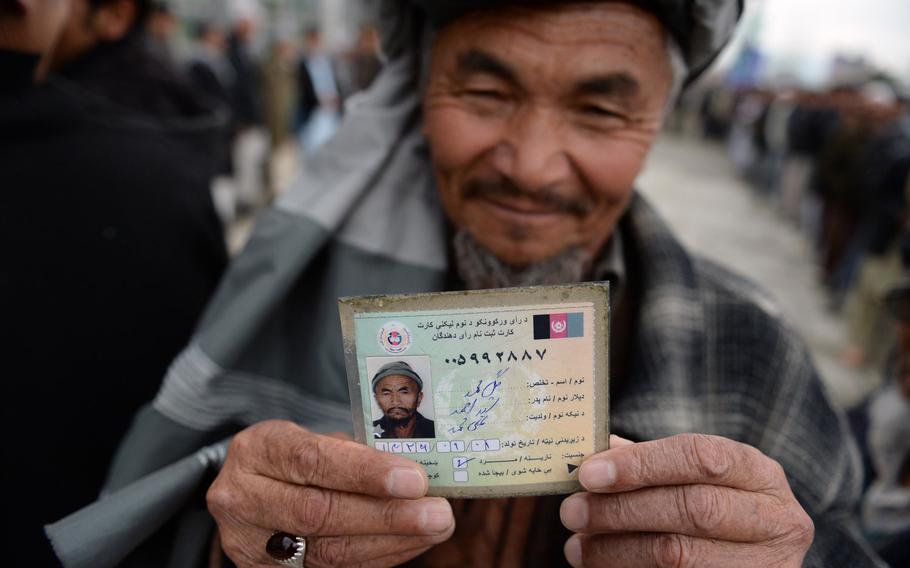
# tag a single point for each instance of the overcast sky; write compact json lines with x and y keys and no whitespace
{"x":806,"y":33}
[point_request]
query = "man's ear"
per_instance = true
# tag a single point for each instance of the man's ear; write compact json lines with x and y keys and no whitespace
{"x":112,"y":21}
{"x":419,"y":398}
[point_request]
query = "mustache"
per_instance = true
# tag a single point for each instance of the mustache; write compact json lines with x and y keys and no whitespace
{"x":544,"y":197}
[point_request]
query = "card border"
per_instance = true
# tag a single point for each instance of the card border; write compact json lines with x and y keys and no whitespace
{"x":598,"y":293}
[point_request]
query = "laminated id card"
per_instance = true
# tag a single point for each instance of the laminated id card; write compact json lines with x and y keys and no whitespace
{"x":494,"y":392}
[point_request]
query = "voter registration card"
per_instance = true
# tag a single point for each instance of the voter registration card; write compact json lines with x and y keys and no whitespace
{"x":494,"y":392}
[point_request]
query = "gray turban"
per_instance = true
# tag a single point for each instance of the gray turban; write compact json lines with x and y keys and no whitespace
{"x":398,"y":368}
{"x":701,"y":28}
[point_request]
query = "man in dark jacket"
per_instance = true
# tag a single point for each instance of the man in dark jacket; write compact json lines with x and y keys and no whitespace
{"x":110,"y":248}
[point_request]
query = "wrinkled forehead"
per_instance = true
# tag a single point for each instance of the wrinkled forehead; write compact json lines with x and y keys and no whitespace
{"x":699,"y":29}
{"x":555,"y":23}
{"x":554,"y":40}
{"x":586,"y":21}
{"x":445,"y":13}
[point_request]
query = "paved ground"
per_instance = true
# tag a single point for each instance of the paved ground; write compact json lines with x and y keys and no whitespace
{"x":715,"y":213}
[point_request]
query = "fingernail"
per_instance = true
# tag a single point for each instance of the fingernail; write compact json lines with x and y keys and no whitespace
{"x":617,"y":442}
{"x":574,"y":512}
{"x":405,"y":483}
{"x":437,"y":516}
{"x":597,"y":474}
{"x":572,"y":550}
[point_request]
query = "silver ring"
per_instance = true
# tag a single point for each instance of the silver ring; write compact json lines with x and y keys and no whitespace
{"x":286,"y":549}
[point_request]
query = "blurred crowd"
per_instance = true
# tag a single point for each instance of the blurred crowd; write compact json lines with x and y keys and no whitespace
{"x":836,"y":163}
{"x":285,"y":95}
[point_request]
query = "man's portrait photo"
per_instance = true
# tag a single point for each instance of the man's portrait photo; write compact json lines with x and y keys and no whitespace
{"x":398,"y":386}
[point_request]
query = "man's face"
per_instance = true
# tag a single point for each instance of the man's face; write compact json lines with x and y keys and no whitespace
{"x":161,"y":25}
{"x":539,"y":120}
{"x":33,"y":27}
{"x":87,"y":26}
{"x":78,"y":35}
{"x":244,"y":29}
{"x":398,"y":397}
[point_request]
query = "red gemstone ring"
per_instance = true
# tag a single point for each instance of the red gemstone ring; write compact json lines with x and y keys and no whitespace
{"x":286,"y":549}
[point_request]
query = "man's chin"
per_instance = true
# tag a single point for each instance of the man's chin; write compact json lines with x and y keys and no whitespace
{"x":522,"y":251}
{"x":395,"y":421}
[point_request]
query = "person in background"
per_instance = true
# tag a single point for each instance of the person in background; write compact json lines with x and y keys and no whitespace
{"x":160,"y":30}
{"x":874,"y":192}
{"x":250,"y":142}
{"x":209,"y":67}
{"x":886,"y":505}
{"x":211,"y":74}
{"x":321,"y":111}
{"x":359,"y":65}
{"x":109,"y":241}
{"x":280,"y":86}
{"x":870,"y":334}
{"x":246,"y":85}
{"x":837,"y":168}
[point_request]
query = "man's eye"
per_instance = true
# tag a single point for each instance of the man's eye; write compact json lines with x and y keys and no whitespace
{"x":489,"y":94}
{"x":598,"y":112}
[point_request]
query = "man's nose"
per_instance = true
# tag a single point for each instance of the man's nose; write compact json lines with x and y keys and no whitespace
{"x":532,"y":152}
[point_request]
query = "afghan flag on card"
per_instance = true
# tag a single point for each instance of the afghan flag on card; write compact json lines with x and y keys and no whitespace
{"x":558,"y":326}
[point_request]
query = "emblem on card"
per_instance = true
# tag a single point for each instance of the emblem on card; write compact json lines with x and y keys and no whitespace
{"x":394,"y":337}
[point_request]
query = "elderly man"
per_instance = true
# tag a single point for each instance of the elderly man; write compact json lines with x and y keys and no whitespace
{"x":886,"y":505}
{"x":514,"y":165}
{"x":399,"y":391}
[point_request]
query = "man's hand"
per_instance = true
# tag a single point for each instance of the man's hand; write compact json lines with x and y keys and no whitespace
{"x":689,"y":500}
{"x":355,"y":506}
